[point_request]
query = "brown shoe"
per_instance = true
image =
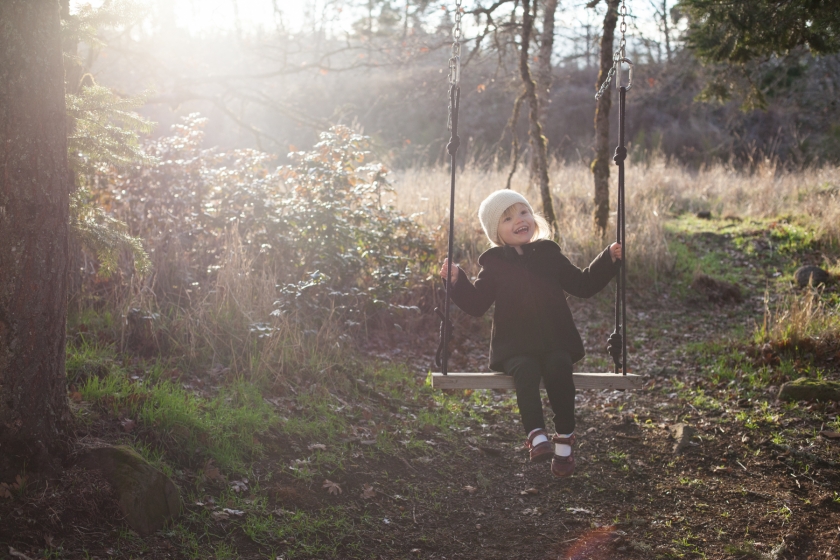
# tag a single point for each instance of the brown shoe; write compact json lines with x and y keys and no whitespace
{"x":542,"y":451}
{"x":561,"y":467}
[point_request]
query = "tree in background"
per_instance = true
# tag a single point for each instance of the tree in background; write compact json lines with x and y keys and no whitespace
{"x":35,"y":188}
{"x":738,"y":34}
{"x":103,"y":133}
{"x":601,"y":164}
{"x":538,"y":140}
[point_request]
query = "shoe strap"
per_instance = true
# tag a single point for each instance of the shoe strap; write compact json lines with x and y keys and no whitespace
{"x":564,"y":440}
{"x":534,"y":434}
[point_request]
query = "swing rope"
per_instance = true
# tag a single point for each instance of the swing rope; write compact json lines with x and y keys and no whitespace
{"x":442,"y":354}
{"x":617,"y":341}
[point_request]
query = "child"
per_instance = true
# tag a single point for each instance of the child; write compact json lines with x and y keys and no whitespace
{"x":533,"y":336}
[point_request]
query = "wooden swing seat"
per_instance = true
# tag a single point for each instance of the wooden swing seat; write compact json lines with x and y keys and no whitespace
{"x":501,"y":381}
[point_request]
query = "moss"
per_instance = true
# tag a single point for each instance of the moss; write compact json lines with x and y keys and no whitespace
{"x":804,"y":389}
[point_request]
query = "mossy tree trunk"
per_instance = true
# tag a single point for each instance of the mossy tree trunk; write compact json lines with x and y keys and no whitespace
{"x":34,"y":205}
{"x":601,"y":163}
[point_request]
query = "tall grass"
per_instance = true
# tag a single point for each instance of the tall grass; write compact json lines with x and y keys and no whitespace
{"x":232,"y":319}
{"x":797,"y":317}
{"x":655,"y":190}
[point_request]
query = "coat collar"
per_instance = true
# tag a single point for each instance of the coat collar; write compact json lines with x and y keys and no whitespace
{"x":507,"y":252}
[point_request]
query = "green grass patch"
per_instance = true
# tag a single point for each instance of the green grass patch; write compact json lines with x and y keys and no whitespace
{"x":225,"y":428}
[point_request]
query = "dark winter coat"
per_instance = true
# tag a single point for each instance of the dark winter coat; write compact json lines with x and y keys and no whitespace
{"x":531,"y":314}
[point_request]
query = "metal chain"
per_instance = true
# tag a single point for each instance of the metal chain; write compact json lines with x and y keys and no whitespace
{"x":455,"y":58}
{"x":618,"y":56}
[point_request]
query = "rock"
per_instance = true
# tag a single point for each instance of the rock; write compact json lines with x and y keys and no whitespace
{"x":810,"y":275}
{"x":704,"y":215}
{"x":146,"y":496}
{"x":716,"y":291}
{"x":804,"y":389}
{"x":683,"y":435}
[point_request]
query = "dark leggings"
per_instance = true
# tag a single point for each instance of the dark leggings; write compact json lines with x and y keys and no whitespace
{"x":555,"y":370}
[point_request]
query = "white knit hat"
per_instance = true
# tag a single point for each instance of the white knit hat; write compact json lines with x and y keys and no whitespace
{"x":492,"y":208}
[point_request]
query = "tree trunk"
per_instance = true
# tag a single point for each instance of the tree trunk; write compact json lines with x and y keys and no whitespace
{"x":602,"y":161}
{"x":34,"y":205}
{"x":544,"y":77}
{"x":538,"y":141}
{"x":666,"y":30}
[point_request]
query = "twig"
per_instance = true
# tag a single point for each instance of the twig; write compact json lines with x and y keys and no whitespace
{"x":409,"y":465}
{"x":804,"y":455}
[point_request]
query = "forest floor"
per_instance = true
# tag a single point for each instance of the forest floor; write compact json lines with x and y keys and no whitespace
{"x":703,"y":462}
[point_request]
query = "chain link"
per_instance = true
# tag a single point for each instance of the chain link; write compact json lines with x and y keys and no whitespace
{"x":455,"y":58}
{"x":619,"y":53}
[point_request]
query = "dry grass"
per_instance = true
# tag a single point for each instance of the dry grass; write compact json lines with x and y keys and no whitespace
{"x":231,"y":323}
{"x":797,"y":317}
{"x":228,"y":321}
{"x":655,"y":191}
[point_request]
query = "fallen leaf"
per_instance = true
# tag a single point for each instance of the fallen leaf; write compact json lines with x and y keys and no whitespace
{"x":368,"y":492}
{"x":128,"y":425}
{"x":76,"y":396}
{"x":368,"y":442}
{"x":4,"y":491}
{"x":579,"y":510}
{"x":236,"y":512}
{"x":428,"y":429}
{"x":332,"y":487}
{"x":17,"y":554}
{"x":318,"y":446}
{"x":530,"y":491}
{"x":470,"y":489}
{"x":220,"y":515}
{"x":830,"y":434}
{"x":212,"y":472}
{"x":239,"y":485}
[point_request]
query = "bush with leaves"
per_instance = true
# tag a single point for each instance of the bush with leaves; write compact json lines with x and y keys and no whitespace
{"x":336,"y":227}
{"x":320,"y":225}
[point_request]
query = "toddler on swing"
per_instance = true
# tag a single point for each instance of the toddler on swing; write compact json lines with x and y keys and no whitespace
{"x":534,"y":335}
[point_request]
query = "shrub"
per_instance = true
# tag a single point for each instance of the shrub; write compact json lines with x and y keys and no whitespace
{"x":241,"y":250}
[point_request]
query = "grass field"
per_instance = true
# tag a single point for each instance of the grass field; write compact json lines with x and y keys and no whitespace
{"x":656,"y":192}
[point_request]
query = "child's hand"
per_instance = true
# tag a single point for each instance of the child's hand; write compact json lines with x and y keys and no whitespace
{"x":454,"y":278}
{"x":616,"y":252}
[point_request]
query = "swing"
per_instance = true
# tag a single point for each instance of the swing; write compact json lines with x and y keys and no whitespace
{"x":617,"y":342}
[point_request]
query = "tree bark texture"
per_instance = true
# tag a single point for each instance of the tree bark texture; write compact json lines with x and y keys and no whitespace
{"x":601,"y":163}
{"x":544,"y":77}
{"x":34,"y":206}
{"x":538,"y":140}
